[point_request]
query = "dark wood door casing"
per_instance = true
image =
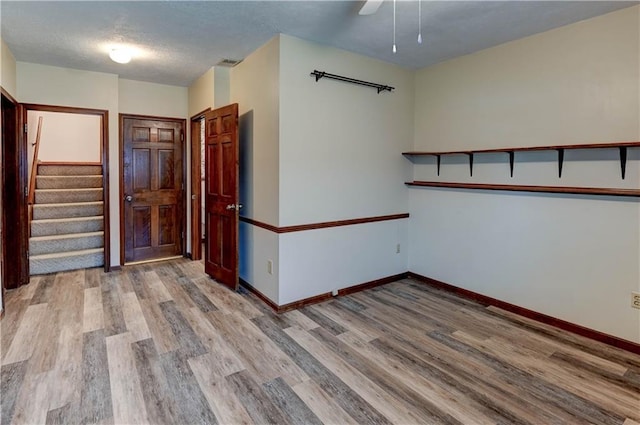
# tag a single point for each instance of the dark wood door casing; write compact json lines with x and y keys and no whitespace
{"x":222,"y":195}
{"x":152,"y":187}
{"x":15,"y":235}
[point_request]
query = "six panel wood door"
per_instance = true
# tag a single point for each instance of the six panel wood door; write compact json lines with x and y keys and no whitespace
{"x":153,"y":187}
{"x":221,"y":195}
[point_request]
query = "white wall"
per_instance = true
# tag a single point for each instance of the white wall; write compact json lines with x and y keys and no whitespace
{"x":340,"y":148}
{"x":255,"y":86}
{"x":7,"y":69}
{"x":571,"y":257}
{"x":65,"y":137}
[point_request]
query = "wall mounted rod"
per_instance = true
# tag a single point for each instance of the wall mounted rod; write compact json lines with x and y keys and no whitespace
{"x":322,"y":74}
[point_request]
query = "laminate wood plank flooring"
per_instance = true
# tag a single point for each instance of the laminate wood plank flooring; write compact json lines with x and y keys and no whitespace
{"x":164,"y":344}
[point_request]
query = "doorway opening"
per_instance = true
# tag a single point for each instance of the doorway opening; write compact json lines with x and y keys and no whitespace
{"x":68,"y":188}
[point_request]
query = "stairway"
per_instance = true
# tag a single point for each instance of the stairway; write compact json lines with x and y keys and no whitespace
{"x":67,"y":230}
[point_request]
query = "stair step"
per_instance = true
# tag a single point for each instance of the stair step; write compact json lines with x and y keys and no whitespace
{"x":63,"y":196}
{"x":68,"y":182}
{"x":60,"y":226}
{"x":64,"y":243}
{"x":72,"y":209}
{"x":69,"y":170}
{"x":63,"y":261}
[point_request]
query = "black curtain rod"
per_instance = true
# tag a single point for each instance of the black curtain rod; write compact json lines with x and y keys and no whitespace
{"x":322,"y":74}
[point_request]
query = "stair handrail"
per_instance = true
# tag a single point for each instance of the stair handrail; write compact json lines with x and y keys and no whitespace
{"x":34,"y":166}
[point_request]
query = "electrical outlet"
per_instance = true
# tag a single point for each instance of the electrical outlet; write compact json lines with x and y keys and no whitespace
{"x":269,"y":266}
{"x":398,"y":249}
{"x":635,"y":300}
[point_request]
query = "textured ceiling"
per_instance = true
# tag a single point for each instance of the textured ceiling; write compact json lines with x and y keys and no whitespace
{"x":177,"y":41}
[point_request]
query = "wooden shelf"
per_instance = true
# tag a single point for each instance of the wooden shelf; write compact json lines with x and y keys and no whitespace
{"x":525,"y":188}
{"x":622,"y":146}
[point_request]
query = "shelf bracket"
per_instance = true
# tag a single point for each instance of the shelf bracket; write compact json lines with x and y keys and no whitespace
{"x":623,"y":160}
{"x":438,"y":162}
{"x":560,"y":161}
{"x":470,"y":163}
{"x":511,"y":159}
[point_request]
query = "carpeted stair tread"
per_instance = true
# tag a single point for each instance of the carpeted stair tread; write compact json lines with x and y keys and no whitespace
{"x":63,"y":182}
{"x":64,"y":196}
{"x":67,"y":210}
{"x":59,"y":226}
{"x":69,"y":170}
{"x":61,"y":261}
{"x":65,"y":236}
{"x":65,"y":243}
{"x":66,"y":254}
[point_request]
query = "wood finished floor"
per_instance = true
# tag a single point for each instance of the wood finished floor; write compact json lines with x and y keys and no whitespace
{"x":163,"y":344}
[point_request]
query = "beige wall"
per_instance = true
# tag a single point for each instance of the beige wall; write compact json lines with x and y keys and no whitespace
{"x":340,"y":158}
{"x":49,"y":85}
{"x":142,"y":98}
{"x":258,"y":100}
{"x":571,"y":257}
{"x":7,"y":69}
{"x":201,"y":93}
{"x":575,"y":84}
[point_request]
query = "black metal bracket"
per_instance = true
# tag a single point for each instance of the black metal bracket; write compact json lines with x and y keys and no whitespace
{"x":560,"y":161}
{"x":511,"y":161}
{"x":380,"y":87}
{"x":470,"y":163}
{"x":438,"y":161}
{"x":623,"y":160}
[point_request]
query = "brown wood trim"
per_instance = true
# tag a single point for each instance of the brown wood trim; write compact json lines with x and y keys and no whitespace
{"x":526,"y":188}
{"x":257,"y":223}
{"x":321,"y":297}
{"x":196,"y":181}
{"x":116,"y":268}
{"x":153,"y":117}
{"x":8,"y":96}
{"x":529,"y":149}
{"x":371,"y":284}
{"x":68,"y":163}
{"x":200,"y":114}
{"x":534,"y":315}
{"x":64,"y":109}
{"x":323,"y":225}
{"x":259,"y":294}
{"x":104,"y":140}
{"x":305,"y":302}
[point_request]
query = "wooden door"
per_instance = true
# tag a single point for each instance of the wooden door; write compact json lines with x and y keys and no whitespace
{"x":221,"y":195}
{"x":15,"y":220}
{"x":153,"y":190}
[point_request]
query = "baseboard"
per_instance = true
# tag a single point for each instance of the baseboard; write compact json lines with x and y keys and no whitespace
{"x":115,"y":268}
{"x":534,"y":315}
{"x":321,"y":297}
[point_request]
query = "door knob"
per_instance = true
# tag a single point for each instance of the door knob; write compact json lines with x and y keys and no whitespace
{"x":240,"y":206}
{"x":231,"y":206}
{"x":128,"y":198}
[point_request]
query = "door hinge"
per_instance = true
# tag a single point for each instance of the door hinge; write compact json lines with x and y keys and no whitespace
{"x":181,"y":136}
{"x":26,"y":191}
{"x":181,"y":235}
{"x":26,"y":127}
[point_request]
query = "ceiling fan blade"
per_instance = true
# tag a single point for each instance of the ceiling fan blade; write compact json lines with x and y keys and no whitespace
{"x":370,"y":7}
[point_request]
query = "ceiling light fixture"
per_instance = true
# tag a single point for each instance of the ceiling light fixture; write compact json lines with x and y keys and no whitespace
{"x":120,"y":55}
